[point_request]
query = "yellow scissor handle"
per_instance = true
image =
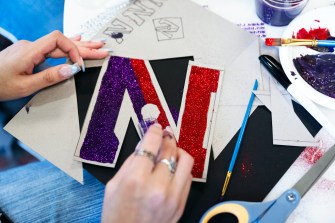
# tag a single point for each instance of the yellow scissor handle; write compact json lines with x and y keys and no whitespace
{"x":239,"y":211}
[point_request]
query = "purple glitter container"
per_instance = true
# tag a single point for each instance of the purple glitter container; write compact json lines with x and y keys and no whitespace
{"x":279,"y":12}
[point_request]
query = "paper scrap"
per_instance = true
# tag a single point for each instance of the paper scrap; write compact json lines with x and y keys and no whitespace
{"x":51,"y":127}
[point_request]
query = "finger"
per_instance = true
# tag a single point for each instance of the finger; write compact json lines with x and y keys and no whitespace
{"x":50,"y":76}
{"x":93,"y":53}
{"x":183,"y":171}
{"x":56,"y":40}
{"x":149,"y":145}
{"x":124,"y":169}
{"x":164,"y":170}
{"x":90,"y":44}
{"x":85,"y":52}
{"x":76,"y":37}
{"x":182,"y":200}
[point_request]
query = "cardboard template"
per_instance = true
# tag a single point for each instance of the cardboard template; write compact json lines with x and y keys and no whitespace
{"x":49,"y":125}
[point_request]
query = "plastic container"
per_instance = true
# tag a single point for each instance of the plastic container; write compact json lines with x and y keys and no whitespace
{"x":279,"y":12}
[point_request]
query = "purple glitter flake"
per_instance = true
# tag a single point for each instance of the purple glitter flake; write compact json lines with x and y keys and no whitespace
{"x":100,"y":143}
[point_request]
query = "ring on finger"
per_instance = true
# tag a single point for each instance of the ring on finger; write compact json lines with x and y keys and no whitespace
{"x":145,"y":153}
{"x":171,"y":164}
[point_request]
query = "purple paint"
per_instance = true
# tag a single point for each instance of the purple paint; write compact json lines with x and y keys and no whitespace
{"x":318,"y":71}
{"x":100,"y":143}
{"x":117,"y":35}
{"x":145,"y":124}
{"x":278,"y":13}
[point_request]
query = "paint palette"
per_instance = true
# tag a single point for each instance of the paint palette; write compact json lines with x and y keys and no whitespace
{"x":317,"y":19}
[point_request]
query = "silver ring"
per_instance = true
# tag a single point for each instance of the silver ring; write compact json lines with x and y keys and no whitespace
{"x":143,"y":152}
{"x":171,"y":163}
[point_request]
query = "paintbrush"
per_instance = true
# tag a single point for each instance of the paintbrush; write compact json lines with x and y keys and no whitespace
{"x":239,"y":140}
{"x":298,"y":42}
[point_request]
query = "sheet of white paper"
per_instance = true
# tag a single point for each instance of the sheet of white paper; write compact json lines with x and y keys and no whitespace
{"x":236,"y":89}
{"x":90,"y":16}
{"x":285,"y":123}
{"x":174,"y":28}
{"x":49,"y":125}
{"x":318,"y":204}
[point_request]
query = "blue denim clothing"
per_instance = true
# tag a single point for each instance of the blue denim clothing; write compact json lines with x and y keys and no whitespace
{"x":40,"y":192}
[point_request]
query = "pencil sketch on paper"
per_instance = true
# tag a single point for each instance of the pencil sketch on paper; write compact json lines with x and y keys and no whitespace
{"x":169,"y":28}
{"x":134,"y":16}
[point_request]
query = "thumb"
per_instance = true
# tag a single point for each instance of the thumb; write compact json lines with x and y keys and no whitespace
{"x":53,"y":75}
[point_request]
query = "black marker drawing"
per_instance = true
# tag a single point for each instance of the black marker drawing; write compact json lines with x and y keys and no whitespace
{"x":169,"y":28}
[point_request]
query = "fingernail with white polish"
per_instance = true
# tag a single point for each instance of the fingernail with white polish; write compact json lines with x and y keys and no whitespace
{"x":68,"y":71}
{"x":107,"y":49}
{"x":100,"y":40}
{"x":82,"y":64}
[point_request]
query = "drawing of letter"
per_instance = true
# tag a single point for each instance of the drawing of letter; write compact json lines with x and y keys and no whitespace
{"x":136,"y":12}
{"x":157,"y":3}
{"x":168,"y":28}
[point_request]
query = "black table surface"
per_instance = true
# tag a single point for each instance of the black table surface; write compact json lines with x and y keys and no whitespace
{"x":259,"y":164}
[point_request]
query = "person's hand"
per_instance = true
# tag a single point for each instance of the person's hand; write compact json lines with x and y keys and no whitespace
{"x":18,"y":61}
{"x":148,"y":191}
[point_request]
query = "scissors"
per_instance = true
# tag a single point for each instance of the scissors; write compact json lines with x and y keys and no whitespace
{"x":276,"y":211}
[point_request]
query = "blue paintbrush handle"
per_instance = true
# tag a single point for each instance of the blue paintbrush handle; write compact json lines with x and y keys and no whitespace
{"x":244,"y":123}
{"x":326,"y":43}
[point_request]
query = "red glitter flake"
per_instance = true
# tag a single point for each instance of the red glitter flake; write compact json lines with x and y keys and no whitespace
{"x":312,"y":154}
{"x":326,"y":184}
{"x":245,"y":168}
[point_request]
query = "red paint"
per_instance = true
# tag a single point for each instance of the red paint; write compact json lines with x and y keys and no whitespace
{"x":311,"y":155}
{"x":269,"y":41}
{"x":316,"y":20}
{"x":317,"y":33}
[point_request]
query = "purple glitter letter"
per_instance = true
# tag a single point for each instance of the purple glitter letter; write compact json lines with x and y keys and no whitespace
{"x":100,"y":142}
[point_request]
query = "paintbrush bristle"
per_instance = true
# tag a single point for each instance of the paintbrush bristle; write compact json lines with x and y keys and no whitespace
{"x":273,"y":41}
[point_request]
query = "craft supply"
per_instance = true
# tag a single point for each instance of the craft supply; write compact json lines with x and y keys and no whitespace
{"x":298,"y":42}
{"x":279,"y":12}
{"x":278,"y":73}
{"x":239,"y":140}
{"x":128,"y":89}
{"x":276,"y":211}
{"x":318,"y":70}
